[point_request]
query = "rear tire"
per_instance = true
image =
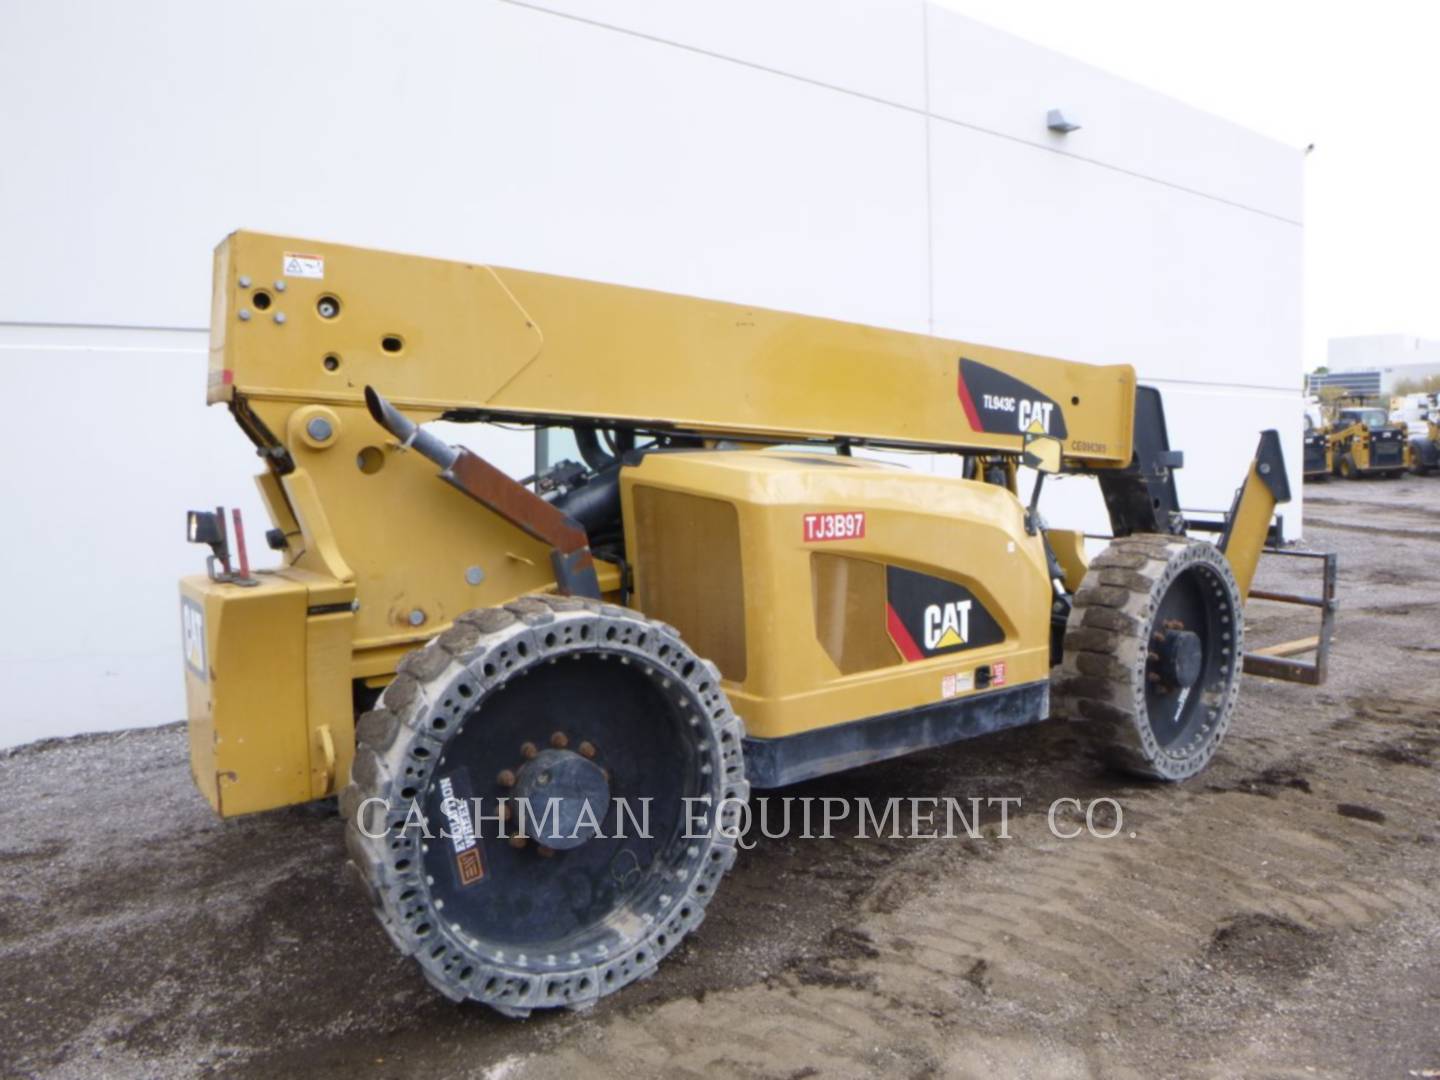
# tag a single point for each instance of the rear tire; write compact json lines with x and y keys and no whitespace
{"x":1152,"y":654}
{"x":596,"y":701}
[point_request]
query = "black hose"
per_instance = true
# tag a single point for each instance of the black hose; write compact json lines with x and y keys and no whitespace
{"x":587,"y":439}
{"x":595,"y":504}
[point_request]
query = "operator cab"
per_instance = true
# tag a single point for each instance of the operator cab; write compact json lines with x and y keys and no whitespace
{"x":1373,"y":419}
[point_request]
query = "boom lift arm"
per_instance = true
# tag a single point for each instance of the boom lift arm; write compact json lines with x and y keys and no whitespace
{"x":484,"y":343}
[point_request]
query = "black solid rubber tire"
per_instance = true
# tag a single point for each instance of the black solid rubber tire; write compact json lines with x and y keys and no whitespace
{"x":398,"y":746}
{"x":1102,"y":676}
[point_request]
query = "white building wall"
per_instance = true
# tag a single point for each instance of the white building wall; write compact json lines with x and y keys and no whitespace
{"x":883,"y":161}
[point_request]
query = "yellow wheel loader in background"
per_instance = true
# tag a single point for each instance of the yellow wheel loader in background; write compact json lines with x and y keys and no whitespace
{"x":543,"y":788}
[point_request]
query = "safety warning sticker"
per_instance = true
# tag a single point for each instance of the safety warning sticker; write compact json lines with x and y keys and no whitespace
{"x":962,"y":682}
{"x":308,"y":266}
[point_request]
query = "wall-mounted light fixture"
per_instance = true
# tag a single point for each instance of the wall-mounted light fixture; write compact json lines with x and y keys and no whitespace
{"x":1057,"y":121}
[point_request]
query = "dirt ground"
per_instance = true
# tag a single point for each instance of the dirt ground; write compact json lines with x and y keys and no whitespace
{"x":1276,"y":917}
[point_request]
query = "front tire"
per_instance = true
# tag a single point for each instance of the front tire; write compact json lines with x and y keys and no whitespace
{"x":1152,"y":654}
{"x":599,"y":703}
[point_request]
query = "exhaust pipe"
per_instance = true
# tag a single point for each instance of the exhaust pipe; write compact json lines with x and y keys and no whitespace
{"x":410,"y":434}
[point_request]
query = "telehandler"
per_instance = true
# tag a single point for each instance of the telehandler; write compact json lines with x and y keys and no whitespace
{"x":590,"y":638}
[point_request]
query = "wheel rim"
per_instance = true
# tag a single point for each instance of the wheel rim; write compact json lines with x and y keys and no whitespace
{"x":1190,"y":665}
{"x":560,"y":934}
{"x":613,"y":718}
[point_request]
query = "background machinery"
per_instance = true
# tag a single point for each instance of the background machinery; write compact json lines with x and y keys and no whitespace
{"x":1319,"y":452}
{"x":1418,"y":415}
{"x":1364,"y":442}
{"x":1425,"y":449}
{"x":548,"y":772}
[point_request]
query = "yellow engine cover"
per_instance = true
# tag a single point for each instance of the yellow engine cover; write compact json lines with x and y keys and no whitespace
{"x":829,"y":589}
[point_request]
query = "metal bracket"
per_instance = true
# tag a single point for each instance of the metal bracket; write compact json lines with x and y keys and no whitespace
{"x":1141,"y":497}
{"x":1278,"y":661}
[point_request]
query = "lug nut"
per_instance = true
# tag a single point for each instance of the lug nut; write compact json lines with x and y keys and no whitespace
{"x":559,"y":740}
{"x":528,"y":750}
{"x":506,"y":778}
{"x":587,"y":749}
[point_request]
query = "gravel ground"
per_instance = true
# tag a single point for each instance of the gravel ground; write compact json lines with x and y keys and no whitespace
{"x":1276,"y":917}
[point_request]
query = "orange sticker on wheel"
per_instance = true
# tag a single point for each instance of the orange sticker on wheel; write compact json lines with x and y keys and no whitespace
{"x":471,"y":868}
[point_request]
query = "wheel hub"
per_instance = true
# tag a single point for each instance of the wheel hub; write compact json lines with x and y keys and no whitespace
{"x":1181,"y":658}
{"x":558,"y":786}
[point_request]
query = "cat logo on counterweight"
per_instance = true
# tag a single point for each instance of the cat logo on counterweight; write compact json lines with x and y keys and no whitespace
{"x":929,"y":616}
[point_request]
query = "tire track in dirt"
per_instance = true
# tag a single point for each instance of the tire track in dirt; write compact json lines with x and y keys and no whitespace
{"x":1427,"y":535}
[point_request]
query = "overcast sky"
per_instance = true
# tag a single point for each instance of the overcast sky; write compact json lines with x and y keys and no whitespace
{"x":1359,"y":80}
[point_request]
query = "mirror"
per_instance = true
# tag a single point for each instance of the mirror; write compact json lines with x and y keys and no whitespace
{"x":1042,"y":452}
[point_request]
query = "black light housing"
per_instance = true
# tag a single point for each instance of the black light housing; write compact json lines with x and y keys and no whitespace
{"x":204,"y":527}
{"x":208,"y":527}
